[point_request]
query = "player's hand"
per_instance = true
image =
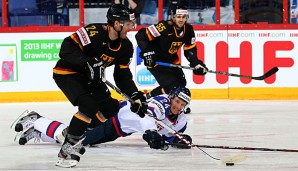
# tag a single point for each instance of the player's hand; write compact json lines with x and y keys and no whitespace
{"x":180,"y":143}
{"x":140,"y":105}
{"x":154,"y":139}
{"x":200,"y":68}
{"x":148,"y":58}
{"x":94,"y":70}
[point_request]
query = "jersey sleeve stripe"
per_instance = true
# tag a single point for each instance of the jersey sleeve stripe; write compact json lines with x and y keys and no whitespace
{"x":153,"y":31}
{"x":123,"y":66}
{"x":187,"y":47}
{"x":83,"y":36}
{"x":62,"y":71}
{"x":75,"y":38}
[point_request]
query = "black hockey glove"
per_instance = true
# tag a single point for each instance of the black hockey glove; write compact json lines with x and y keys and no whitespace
{"x":200,"y":68}
{"x":177,"y":141}
{"x":148,"y":58}
{"x":94,"y":70}
{"x":140,"y":105}
{"x":154,"y":139}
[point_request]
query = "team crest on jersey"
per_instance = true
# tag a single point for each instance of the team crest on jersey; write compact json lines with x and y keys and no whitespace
{"x":175,"y":47}
{"x":106,"y":58}
{"x":84,"y":38}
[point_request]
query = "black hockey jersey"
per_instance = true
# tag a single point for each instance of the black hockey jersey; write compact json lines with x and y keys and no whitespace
{"x":166,"y":40}
{"x":93,"y":41}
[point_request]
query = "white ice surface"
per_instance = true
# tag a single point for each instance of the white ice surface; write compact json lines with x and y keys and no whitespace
{"x":269,"y":124}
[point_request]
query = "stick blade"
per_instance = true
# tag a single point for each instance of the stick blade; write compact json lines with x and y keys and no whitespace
{"x":267,"y":74}
{"x":234,"y":159}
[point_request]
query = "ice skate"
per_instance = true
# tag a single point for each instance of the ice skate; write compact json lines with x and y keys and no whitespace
{"x":29,"y":135}
{"x":25,"y":121}
{"x":70,"y":152}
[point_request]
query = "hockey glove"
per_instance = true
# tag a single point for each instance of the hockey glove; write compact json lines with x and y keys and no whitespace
{"x":140,"y":105}
{"x":154,"y":139}
{"x":148,"y":58}
{"x":94,"y":70}
{"x":200,"y":68}
{"x":180,"y":143}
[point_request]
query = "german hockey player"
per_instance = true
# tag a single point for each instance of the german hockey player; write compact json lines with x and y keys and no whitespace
{"x":84,"y":56}
{"x":161,"y":42}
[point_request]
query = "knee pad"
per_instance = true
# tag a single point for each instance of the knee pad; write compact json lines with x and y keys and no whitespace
{"x":109,"y":108}
{"x":88,"y":106}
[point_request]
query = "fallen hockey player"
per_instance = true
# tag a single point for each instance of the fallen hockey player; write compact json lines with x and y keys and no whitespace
{"x":166,"y":108}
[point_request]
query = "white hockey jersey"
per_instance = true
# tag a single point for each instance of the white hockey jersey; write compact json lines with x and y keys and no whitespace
{"x":127,"y":122}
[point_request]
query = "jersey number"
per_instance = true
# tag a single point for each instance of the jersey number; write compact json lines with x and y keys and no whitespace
{"x":160,"y":27}
{"x":91,"y":30}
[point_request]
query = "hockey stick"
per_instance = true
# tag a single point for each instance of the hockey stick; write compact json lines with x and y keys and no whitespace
{"x":184,"y":146}
{"x":247,"y":148}
{"x":225,"y":161}
{"x":262,"y":77}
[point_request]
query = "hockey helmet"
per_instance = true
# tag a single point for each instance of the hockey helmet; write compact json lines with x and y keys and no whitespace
{"x":120,"y":13}
{"x":177,"y":8}
{"x":181,"y":92}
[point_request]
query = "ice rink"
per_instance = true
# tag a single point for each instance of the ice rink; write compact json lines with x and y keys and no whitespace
{"x":268,"y":124}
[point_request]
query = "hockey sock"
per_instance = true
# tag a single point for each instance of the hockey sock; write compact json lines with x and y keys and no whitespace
{"x":49,"y":127}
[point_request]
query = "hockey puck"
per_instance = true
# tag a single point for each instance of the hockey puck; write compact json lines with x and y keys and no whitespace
{"x":229,"y":164}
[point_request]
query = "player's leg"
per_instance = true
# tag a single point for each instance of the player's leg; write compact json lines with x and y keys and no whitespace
{"x":88,"y":97}
{"x":102,"y":133}
{"x":50,"y":129}
{"x":76,"y":89}
{"x":167,"y":78}
{"x":43,"y":129}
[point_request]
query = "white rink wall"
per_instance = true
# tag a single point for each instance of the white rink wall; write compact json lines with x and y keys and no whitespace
{"x":27,"y":60}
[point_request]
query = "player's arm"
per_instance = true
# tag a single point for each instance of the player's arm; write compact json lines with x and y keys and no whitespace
{"x":144,"y":38}
{"x":190,"y":52}
{"x":124,"y":80}
{"x":175,"y":141}
{"x":71,"y":52}
{"x":73,"y":47}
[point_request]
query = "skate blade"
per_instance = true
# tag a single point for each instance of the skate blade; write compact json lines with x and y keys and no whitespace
{"x":26,"y":112}
{"x":66,"y":163}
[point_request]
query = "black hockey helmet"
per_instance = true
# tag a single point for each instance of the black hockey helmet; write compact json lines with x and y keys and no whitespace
{"x":181,"y":92}
{"x":120,"y":13}
{"x":177,"y":8}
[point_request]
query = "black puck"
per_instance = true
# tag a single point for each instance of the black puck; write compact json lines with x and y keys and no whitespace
{"x":229,"y":164}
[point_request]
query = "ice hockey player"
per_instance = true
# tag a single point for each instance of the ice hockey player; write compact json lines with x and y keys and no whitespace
{"x":161,"y":42}
{"x":84,"y":55}
{"x":167,"y":108}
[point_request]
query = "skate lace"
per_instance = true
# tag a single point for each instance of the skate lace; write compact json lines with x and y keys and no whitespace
{"x":37,"y":137}
{"x":72,"y":149}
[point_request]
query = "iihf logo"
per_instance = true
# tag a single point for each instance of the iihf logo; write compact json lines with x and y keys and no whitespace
{"x":143,"y":76}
